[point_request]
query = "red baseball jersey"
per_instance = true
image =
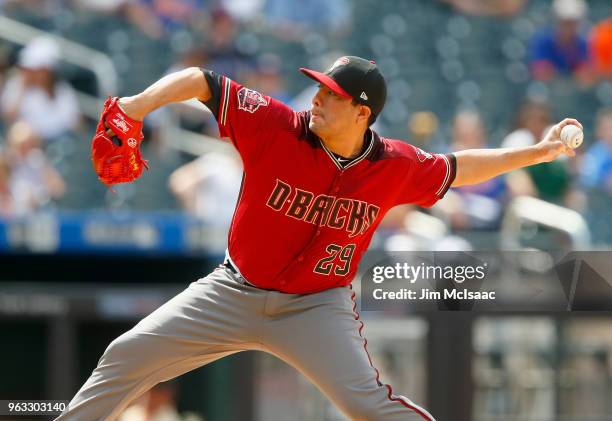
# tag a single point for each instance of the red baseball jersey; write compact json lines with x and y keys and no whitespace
{"x":304,"y":217}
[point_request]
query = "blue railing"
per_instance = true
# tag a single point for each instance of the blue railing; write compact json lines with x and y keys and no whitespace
{"x":163,"y":233}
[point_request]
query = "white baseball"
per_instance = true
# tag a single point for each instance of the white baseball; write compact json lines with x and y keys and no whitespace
{"x":572,"y":136}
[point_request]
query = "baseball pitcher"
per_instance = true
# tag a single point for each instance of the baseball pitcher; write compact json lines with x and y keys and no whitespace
{"x":316,"y":185}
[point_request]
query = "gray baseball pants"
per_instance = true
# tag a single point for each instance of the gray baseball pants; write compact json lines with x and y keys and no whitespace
{"x":319,"y":334}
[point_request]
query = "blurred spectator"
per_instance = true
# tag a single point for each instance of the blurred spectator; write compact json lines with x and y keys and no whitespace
{"x":561,"y":49}
{"x":224,"y":55}
{"x":6,"y":196}
{"x":267,"y":77}
{"x":192,"y":57}
{"x":591,"y":382}
{"x":243,"y":10}
{"x":469,"y":133}
{"x":154,"y":18}
{"x":158,"y":404}
{"x":37,"y":96}
{"x":4,"y":64}
{"x":208,"y":188}
{"x":174,"y":15}
{"x":34,"y":181}
{"x":191,"y":115}
{"x":293,"y":19}
{"x":101,"y":6}
{"x":549,"y":181}
{"x":488,"y":8}
{"x":44,"y":8}
{"x":140,"y":15}
{"x":601,"y":48}
{"x":532,"y":120}
{"x":422,"y":126}
{"x":596,"y":166}
{"x":477,"y":206}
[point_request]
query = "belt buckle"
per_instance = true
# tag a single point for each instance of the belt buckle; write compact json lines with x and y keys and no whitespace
{"x":231,"y":267}
{"x":239,"y":278}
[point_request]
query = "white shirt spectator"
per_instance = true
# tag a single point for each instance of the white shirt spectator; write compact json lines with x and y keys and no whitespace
{"x":49,"y":117}
{"x":217,"y":191}
{"x":208,"y":187}
{"x":101,"y":6}
{"x":518,"y":138}
{"x":28,"y":185}
{"x":243,"y":10}
{"x":33,"y":180}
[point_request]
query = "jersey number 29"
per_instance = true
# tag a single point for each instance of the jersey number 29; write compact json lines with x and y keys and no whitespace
{"x":327,"y":263}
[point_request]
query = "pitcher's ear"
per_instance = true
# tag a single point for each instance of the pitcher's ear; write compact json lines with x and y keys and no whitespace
{"x":365,"y":112}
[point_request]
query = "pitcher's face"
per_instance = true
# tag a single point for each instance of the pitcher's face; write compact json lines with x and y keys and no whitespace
{"x":332,"y":114}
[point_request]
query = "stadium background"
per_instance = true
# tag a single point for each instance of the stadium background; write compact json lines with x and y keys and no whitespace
{"x":81,"y":264}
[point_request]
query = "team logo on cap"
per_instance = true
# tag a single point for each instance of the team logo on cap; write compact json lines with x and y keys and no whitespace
{"x":340,"y":62}
{"x":250,"y":100}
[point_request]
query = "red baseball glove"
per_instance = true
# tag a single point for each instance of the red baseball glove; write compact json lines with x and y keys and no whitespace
{"x":117,"y":159}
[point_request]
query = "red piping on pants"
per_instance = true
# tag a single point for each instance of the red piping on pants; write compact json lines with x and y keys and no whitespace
{"x":390,"y":395}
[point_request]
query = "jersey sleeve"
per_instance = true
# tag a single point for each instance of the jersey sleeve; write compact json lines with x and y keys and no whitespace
{"x":424,"y":177}
{"x":250,"y":120}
